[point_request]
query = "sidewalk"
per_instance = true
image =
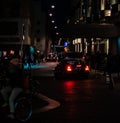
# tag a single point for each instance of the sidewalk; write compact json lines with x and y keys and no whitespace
{"x":41,"y":65}
{"x":115,"y":78}
{"x":36,"y":66}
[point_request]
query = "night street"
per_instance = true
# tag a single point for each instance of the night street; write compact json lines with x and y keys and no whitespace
{"x":83,"y":100}
{"x":60,"y":61}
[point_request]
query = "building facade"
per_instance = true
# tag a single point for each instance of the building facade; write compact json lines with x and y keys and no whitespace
{"x":15,"y":27}
{"x":23,"y":28}
{"x":94,"y":26}
{"x":40,"y":27}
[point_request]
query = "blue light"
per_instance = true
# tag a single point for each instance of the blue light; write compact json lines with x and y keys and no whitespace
{"x":31,"y":49}
{"x":65,"y":44}
{"x":119,"y":43}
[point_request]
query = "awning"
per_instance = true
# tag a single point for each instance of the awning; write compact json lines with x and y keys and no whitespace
{"x":91,"y":30}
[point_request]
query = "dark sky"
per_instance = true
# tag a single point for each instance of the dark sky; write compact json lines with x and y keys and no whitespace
{"x":61,"y":10}
{"x":61,"y":13}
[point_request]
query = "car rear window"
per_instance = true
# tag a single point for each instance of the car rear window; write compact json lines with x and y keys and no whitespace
{"x":73,"y":55}
{"x":72,"y":61}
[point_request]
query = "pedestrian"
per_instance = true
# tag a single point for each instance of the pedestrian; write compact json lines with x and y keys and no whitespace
{"x":15,"y":85}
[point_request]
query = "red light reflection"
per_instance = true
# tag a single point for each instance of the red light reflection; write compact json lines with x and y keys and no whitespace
{"x":69,"y":87}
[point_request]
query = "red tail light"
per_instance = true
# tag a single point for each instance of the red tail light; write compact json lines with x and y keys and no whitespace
{"x":87,"y":68}
{"x":69,"y":68}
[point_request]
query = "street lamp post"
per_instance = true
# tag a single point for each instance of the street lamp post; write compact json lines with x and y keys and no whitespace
{"x":21,"y":48}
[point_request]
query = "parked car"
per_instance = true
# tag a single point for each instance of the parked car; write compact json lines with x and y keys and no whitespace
{"x":70,"y":67}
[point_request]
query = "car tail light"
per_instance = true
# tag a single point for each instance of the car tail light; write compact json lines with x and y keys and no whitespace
{"x":69,"y":68}
{"x":87,"y":68}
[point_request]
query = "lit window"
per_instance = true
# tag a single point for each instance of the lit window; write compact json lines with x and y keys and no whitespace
{"x":107,"y":13}
{"x":118,"y":7}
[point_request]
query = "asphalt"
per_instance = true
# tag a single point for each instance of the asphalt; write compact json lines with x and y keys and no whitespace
{"x":42,"y":103}
{"x":38,"y":101}
{"x":106,"y":103}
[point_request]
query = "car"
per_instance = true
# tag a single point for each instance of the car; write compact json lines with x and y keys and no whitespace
{"x":72,"y":67}
{"x":51,"y":57}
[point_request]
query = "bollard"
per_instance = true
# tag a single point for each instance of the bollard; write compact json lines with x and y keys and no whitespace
{"x":110,"y":81}
{"x":107,"y":79}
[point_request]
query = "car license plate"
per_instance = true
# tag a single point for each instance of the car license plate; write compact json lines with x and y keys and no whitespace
{"x":78,"y":65}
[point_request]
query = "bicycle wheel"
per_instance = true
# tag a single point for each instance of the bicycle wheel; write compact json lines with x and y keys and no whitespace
{"x":23,"y":109}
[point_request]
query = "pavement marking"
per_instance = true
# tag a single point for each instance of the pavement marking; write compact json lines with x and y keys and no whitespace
{"x":52,"y":104}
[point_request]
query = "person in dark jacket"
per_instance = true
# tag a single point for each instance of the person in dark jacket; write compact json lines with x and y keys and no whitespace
{"x":15,"y":85}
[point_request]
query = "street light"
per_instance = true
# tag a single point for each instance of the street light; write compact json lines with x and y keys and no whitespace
{"x":50,"y":14}
{"x":55,"y":27}
{"x":53,"y":21}
{"x":52,"y":6}
{"x":57,"y":33}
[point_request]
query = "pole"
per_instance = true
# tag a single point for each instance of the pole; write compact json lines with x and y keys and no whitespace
{"x":110,"y":81}
{"x":21,"y":48}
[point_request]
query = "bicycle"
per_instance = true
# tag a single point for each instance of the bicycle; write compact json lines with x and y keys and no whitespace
{"x":23,"y":105}
{"x":23,"y":102}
